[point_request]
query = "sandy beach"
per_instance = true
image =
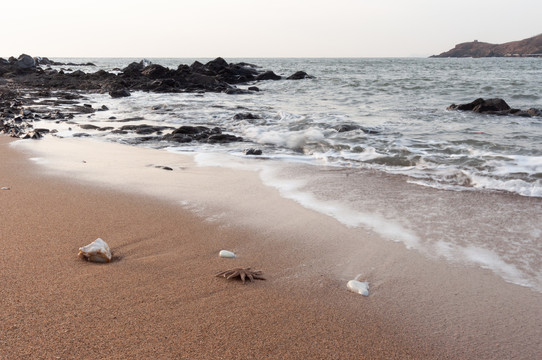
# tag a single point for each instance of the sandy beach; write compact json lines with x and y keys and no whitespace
{"x":159,"y":297}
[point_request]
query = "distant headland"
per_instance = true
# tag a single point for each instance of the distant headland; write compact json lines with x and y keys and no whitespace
{"x":531,"y":47}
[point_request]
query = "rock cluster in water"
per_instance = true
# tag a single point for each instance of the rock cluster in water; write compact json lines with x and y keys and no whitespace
{"x":215,"y":76}
{"x":18,"y":117}
{"x":187,"y":133}
{"x":27,"y":81}
{"x":494,"y":107}
{"x":24,"y":62}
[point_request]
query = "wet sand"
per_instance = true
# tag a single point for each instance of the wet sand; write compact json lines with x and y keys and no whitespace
{"x":159,"y":298}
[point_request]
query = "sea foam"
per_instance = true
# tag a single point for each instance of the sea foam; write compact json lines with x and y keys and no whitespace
{"x":293,"y":189}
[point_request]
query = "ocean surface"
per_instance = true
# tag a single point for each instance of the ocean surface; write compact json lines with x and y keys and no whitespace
{"x":399,"y":103}
{"x":455,"y":185}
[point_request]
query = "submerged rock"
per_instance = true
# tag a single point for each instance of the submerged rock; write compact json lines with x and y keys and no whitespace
{"x":254,"y":152}
{"x":119,"y":93}
{"x":268,"y":75}
{"x":246,"y":116}
{"x":299,"y":76}
{"x":351,"y":127}
{"x":494,"y":106}
{"x":186,"y":133}
{"x":96,"y":251}
{"x":346,"y":127}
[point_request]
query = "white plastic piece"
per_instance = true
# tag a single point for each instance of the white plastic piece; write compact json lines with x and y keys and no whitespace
{"x":226,"y":254}
{"x":359,"y":287}
{"x":96,"y":251}
{"x":5,"y":188}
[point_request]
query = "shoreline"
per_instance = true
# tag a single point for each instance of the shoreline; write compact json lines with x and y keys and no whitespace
{"x":163,"y":280}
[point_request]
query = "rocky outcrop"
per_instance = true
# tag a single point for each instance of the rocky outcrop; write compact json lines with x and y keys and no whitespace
{"x":119,"y":93}
{"x":494,"y":107}
{"x":527,"y":47}
{"x":352,"y":127}
{"x":56,"y":94}
{"x":47,"y":62}
{"x":299,"y":75}
{"x":253,"y":152}
{"x":246,"y":116}
{"x":186,"y":134}
{"x":25,"y":62}
{"x":18,"y":115}
{"x":215,"y":76}
{"x":268,"y":75}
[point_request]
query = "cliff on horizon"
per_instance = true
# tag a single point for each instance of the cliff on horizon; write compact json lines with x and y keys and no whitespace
{"x":527,"y":47}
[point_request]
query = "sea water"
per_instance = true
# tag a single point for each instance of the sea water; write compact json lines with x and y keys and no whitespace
{"x":453,"y":185}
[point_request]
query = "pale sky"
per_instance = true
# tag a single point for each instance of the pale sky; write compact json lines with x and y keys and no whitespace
{"x":259,"y":28}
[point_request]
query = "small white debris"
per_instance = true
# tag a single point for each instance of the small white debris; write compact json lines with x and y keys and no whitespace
{"x":226,"y":254}
{"x":96,"y":251}
{"x":358,"y":287}
{"x":5,"y":188}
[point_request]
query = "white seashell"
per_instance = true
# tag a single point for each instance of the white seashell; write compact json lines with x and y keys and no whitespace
{"x":358,"y":287}
{"x":226,"y":254}
{"x":96,"y":251}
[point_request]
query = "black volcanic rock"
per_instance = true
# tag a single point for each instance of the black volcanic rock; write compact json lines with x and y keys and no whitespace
{"x":253,"y":152}
{"x":46,"y":61}
{"x":215,"y":76}
{"x":268,"y":75}
{"x":491,"y":105}
{"x":25,"y":62}
{"x":346,"y":127}
{"x":188,"y":133}
{"x":299,"y":76}
{"x":195,"y":130}
{"x":221,"y":70}
{"x":119,"y":93}
{"x":223,"y":138}
{"x":217,"y":65}
{"x":246,"y":116}
{"x":133,"y":69}
{"x":481,"y":106}
{"x":494,"y":107}
{"x":156,"y":71}
{"x":352,"y":127}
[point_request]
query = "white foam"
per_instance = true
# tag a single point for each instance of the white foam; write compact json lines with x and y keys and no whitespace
{"x":486,"y":259}
{"x":517,"y":186}
{"x":293,"y":189}
{"x":38,"y":160}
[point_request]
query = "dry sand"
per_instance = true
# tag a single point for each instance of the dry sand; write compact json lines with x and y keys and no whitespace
{"x":159,"y":297}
